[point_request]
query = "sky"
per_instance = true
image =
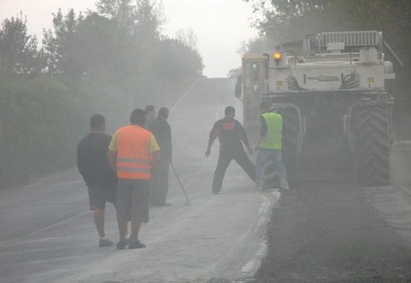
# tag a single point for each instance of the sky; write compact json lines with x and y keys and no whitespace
{"x":220,"y":25}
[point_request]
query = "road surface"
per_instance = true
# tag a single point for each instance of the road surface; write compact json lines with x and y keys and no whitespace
{"x":336,"y":232}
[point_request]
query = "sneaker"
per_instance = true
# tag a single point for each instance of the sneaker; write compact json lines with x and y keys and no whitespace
{"x":121,"y":245}
{"x":136,"y":245}
{"x":105,"y":243}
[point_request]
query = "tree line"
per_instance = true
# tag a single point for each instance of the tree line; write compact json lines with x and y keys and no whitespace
{"x":106,"y":60}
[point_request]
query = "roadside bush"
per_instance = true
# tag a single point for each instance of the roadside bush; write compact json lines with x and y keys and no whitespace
{"x":42,"y":121}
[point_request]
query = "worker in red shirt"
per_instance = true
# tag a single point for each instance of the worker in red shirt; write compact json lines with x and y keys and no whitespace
{"x":231,"y":135}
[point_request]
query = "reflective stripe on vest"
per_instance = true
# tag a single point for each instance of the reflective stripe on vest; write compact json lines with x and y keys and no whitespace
{"x":133,"y":165}
{"x":133,"y":158}
{"x":273,"y":137}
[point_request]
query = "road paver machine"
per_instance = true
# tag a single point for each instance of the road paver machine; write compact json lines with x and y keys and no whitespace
{"x":334,"y":91}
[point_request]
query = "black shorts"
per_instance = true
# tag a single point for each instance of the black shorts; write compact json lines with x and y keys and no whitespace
{"x":98,"y":196}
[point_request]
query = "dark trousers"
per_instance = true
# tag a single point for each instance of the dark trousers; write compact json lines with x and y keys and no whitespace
{"x":224,"y":160}
{"x":159,"y":183}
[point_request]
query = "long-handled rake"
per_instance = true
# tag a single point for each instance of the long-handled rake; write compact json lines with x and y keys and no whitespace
{"x":187,"y":202}
{"x":181,"y":185}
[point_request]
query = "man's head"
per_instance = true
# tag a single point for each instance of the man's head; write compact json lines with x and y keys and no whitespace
{"x":97,"y":123}
{"x":138,"y":117}
{"x":265,"y":106}
{"x":229,"y":111}
{"x":163,"y":112}
{"x":151,"y":111}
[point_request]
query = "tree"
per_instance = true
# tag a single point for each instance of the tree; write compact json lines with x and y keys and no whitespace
{"x":122,"y":11}
{"x":118,"y":47}
{"x":188,"y":38}
{"x":60,"y":47}
{"x":175,"y":59}
{"x":18,"y":50}
{"x":283,"y":21}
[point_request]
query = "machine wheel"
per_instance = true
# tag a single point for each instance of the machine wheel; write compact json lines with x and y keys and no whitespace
{"x":289,"y":151}
{"x":371,"y":130}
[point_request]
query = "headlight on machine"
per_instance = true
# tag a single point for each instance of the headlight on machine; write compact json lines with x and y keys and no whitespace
{"x":277,"y":56}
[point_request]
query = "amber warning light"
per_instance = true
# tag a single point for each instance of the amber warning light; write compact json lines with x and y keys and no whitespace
{"x":277,"y":56}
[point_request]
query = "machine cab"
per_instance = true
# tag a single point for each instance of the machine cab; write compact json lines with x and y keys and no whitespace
{"x":254,"y":73}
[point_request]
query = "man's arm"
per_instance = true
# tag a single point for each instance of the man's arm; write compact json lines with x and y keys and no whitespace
{"x":154,"y":150}
{"x":156,"y":159}
{"x":80,"y":160}
{"x":210,"y":144}
{"x":112,"y":157}
{"x":263,"y":132}
{"x":82,"y":164}
{"x":213,"y":136}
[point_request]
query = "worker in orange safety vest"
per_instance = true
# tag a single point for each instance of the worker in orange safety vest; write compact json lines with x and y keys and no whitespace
{"x":133,"y":153}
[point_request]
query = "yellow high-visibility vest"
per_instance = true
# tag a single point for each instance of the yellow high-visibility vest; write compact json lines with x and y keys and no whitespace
{"x":273,"y":137}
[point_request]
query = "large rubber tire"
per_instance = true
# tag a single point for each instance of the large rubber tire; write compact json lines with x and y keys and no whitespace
{"x":289,"y":151}
{"x":371,"y":130}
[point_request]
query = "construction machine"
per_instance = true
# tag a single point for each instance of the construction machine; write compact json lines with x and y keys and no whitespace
{"x":334,"y":91}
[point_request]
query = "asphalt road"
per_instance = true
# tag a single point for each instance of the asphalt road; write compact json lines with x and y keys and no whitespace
{"x":47,"y":232}
{"x":336,"y":232}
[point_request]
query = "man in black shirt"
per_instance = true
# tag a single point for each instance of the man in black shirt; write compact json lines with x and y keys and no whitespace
{"x":100,"y":178}
{"x":151,"y":115}
{"x":159,"y":183}
{"x":231,"y":135}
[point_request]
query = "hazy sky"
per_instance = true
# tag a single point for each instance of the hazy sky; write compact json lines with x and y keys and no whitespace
{"x":220,"y":25}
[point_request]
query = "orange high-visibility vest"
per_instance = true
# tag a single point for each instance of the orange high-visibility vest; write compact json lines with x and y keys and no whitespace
{"x":133,"y":157}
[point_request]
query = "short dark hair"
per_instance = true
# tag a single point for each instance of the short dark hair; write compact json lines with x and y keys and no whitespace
{"x":265,"y":105}
{"x":149,"y":108}
{"x":163,"y":112}
{"x":96,"y":121}
{"x":138,"y":117}
{"x":229,"y":110}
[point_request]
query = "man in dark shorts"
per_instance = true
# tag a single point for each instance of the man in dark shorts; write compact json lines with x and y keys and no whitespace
{"x":133,"y":153}
{"x":100,"y":178}
{"x":231,"y":135}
